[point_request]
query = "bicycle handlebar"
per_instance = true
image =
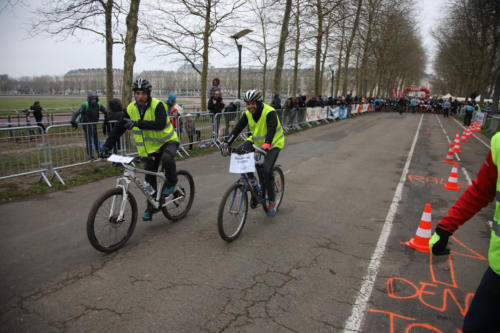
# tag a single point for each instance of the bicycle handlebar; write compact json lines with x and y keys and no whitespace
{"x":259,"y":149}
{"x":256,"y":148}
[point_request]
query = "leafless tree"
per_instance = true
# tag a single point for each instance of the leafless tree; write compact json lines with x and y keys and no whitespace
{"x":186,"y":29}
{"x":281,"y":49}
{"x":262,"y":43}
{"x":64,"y":18}
{"x":468,"y":57}
{"x":349,"y":46}
{"x":129,"y":58}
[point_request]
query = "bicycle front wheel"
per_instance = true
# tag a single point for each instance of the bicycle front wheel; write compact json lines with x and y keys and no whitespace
{"x":232,"y":214}
{"x":107,"y":229}
{"x":178,"y":205}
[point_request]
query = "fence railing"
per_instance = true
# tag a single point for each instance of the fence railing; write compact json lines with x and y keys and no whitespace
{"x":27,"y":150}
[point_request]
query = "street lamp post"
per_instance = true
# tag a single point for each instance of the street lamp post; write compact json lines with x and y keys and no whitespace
{"x":239,"y":46}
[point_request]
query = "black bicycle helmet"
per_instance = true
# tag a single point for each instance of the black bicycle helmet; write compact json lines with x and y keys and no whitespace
{"x":142,"y":84}
{"x":252,"y":96}
{"x":91,"y":95}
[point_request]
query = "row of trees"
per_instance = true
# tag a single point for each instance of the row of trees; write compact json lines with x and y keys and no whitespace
{"x":468,"y":58}
{"x":372,"y":45}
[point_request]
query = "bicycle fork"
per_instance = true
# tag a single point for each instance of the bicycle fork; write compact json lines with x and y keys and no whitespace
{"x":123,"y":184}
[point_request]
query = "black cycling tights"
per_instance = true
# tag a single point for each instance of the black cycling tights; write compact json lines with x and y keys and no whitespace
{"x":166,"y":154}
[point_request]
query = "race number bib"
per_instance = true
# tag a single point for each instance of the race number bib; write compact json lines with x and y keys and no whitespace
{"x":120,"y":159}
{"x":242,"y":163}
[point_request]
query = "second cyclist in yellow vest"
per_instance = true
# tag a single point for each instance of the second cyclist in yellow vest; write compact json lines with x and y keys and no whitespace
{"x":154,"y":136}
{"x":266,"y":131}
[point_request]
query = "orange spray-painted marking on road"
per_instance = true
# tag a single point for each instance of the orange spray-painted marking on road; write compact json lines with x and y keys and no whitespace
{"x":391,"y":317}
{"x":409,"y":328}
{"x":477,"y":255}
{"x":433,"y":295}
{"x":427,"y":326}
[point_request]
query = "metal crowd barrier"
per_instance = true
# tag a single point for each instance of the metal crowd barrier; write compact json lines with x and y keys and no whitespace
{"x":22,"y":152}
{"x":224,"y":124}
{"x":50,"y":116}
{"x":197,"y":128}
{"x":26,"y":150}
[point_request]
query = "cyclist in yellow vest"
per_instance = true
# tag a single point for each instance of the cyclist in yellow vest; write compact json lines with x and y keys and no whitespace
{"x":154,"y":135}
{"x":483,"y":314}
{"x":266,"y":131}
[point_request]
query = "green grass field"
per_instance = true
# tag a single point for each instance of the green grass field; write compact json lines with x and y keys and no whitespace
{"x":9,"y":103}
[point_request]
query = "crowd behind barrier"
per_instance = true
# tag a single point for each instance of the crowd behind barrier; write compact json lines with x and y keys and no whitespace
{"x":27,"y":150}
{"x":51,"y":116}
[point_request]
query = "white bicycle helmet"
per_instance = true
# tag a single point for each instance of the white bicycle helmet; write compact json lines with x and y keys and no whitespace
{"x":252,"y":96}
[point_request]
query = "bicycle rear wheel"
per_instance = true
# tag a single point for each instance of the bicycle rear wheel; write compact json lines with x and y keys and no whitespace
{"x":232,"y":213}
{"x":105,"y":231}
{"x":278,"y":187}
{"x":182,"y":200}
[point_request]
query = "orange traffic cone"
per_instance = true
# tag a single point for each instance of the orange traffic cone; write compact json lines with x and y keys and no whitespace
{"x":464,"y":136}
{"x":469,"y":132}
{"x":477,"y":125}
{"x":449,"y":157}
{"x":456,"y":147}
{"x":421,"y":240}
{"x":452,"y":183}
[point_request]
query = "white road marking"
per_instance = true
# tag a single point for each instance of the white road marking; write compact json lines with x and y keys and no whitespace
{"x":467,"y":176}
{"x":456,"y":155}
{"x":480,"y":140}
{"x":353,"y":323}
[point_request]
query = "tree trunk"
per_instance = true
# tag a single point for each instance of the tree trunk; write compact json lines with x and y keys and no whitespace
{"x":358,"y":80}
{"x":364,"y":61}
{"x":109,"y":49}
{"x":204,"y":65}
{"x":323,"y":59}
{"x":264,"y":77}
{"x":319,"y":41}
{"x":337,"y":81}
{"x":496,"y":94}
{"x":349,"y":46}
{"x":129,"y":60}
{"x":264,"y":69}
{"x":297,"y":44}
{"x":281,"y":49}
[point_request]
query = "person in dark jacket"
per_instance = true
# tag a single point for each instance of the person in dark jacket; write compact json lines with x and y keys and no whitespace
{"x":276,"y":102}
{"x":37,"y":113}
{"x":230,"y":114}
{"x":311,"y":102}
{"x":215,"y":106}
{"x":215,"y":87}
{"x":155,"y":138}
{"x":89,"y":113}
{"x":115,"y":114}
{"x":266,"y":131}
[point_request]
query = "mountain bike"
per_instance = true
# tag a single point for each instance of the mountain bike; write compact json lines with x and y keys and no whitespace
{"x":233,"y":208}
{"x":113,"y":216}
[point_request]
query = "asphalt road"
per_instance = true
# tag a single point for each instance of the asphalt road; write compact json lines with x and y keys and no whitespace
{"x":301,"y":271}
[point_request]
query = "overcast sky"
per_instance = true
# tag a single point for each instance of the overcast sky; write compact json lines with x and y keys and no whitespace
{"x":21,"y":55}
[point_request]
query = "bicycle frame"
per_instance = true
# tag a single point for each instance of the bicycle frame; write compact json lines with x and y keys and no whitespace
{"x":129,"y":175}
{"x":244,"y":180}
